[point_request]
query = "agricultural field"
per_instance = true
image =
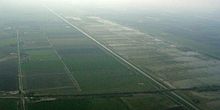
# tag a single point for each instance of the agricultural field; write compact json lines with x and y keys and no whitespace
{"x":56,"y":59}
{"x":79,"y":104}
{"x":105,"y":103}
{"x":199,"y":32}
{"x":96,"y":70}
{"x":175,"y":65}
{"x":57,"y":65}
{"x":8,"y":61}
{"x":8,"y":104}
{"x":41,"y":66}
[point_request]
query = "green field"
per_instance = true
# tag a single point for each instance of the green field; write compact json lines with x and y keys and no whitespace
{"x":41,"y":61}
{"x":57,"y":59}
{"x":8,"y":104}
{"x":8,"y":61}
{"x":95,"y":69}
{"x":79,"y":104}
{"x":61,"y":51}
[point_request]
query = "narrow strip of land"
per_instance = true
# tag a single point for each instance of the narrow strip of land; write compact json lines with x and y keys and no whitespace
{"x":173,"y":94}
{"x":110,"y":94}
{"x":53,"y":88}
{"x":20,"y":75}
{"x":10,"y":97}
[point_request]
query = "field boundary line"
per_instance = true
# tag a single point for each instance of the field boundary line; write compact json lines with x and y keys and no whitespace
{"x":10,"y":97}
{"x":45,"y":74}
{"x":53,"y":88}
{"x":20,"y":75}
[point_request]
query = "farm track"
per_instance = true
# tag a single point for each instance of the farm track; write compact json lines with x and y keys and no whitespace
{"x":45,"y":47}
{"x":10,"y":97}
{"x":111,"y":94}
{"x":20,"y":75}
{"x":54,"y":88}
{"x":158,"y":84}
{"x":45,"y":74}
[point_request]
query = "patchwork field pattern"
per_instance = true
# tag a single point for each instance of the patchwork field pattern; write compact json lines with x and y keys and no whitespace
{"x":47,"y":64}
{"x":174,"y":65}
{"x":8,"y":60}
{"x":50,"y":63}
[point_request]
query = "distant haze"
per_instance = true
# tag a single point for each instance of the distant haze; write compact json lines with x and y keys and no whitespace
{"x":187,"y":4}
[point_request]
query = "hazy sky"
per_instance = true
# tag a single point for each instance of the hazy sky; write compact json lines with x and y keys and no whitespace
{"x":160,"y":4}
{"x":182,"y":3}
{"x":192,"y":5}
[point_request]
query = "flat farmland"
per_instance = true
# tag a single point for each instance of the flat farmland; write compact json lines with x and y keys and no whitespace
{"x":79,"y":104}
{"x":42,"y":69}
{"x":8,"y":104}
{"x":8,"y":75}
{"x":90,"y":67}
{"x":41,"y":61}
{"x":58,"y":62}
{"x":53,"y":61}
{"x":95,"y":69}
{"x":33,"y":39}
{"x":174,"y":65}
{"x":8,"y":61}
{"x":141,"y":102}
